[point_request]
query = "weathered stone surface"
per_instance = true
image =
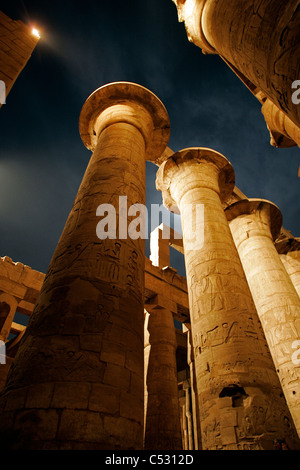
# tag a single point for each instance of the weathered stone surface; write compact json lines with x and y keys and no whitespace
{"x":258,"y":39}
{"x":291,"y":262}
{"x":254,"y":224}
{"x":230,"y":352}
{"x":16,"y":45}
{"x":97,"y":282}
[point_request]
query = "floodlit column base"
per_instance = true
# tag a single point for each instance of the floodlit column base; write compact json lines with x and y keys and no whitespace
{"x":234,"y":372}
{"x":255,"y":223}
{"x":77,"y":381}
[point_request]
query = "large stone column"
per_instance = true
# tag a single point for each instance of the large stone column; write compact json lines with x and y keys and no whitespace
{"x":258,"y":38}
{"x":77,"y":381}
{"x":254,"y":224}
{"x":291,"y":262}
{"x":162,"y":420}
{"x":238,"y":390}
{"x":289,"y":253}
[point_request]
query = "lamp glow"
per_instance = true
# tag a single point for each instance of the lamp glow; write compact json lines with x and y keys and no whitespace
{"x":35,"y":32}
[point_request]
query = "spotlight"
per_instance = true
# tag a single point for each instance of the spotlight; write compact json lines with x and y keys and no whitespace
{"x":35,"y":32}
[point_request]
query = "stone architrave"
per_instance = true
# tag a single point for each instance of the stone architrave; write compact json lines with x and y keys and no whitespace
{"x":254,"y":224}
{"x":234,"y":371}
{"x":78,"y":379}
{"x":162,"y":413}
{"x":258,"y":39}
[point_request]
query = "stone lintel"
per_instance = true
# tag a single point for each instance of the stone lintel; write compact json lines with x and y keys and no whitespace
{"x":168,"y":284}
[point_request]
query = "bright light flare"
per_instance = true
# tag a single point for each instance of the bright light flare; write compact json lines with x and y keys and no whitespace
{"x":35,"y":32}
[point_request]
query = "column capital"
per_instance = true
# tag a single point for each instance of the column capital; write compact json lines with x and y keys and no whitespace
{"x":216,"y":173}
{"x":160,"y":302}
{"x":267,"y":212}
{"x":128,"y":103}
{"x":283,"y":131}
{"x":287,"y":244}
{"x":191,"y":13}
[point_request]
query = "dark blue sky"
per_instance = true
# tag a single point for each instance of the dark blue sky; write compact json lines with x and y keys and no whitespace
{"x":85,"y":45}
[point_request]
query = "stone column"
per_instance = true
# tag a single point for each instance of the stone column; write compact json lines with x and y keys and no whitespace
{"x":291,"y":262}
{"x":184,"y":430}
{"x":77,"y":381}
{"x":254,"y":224}
{"x":258,"y":38}
{"x":234,"y":371}
{"x":162,"y":420}
{"x":188,"y":413}
{"x":194,"y":395}
{"x":289,"y":253}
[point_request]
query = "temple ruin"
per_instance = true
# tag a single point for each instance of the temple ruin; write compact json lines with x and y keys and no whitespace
{"x":120,"y":351}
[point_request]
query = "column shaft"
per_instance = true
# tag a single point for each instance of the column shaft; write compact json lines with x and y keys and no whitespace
{"x":84,"y":344}
{"x":291,"y":262}
{"x":275,"y":297}
{"x":77,"y":381}
{"x":194,"y":394}
{"x":234,"y":371}
{"x":162,"y":427}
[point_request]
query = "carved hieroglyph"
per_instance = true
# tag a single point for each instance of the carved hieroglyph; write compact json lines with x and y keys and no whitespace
{"x":238,"y":389}
{"x":255,"y":223}
{"x":77,"y":381}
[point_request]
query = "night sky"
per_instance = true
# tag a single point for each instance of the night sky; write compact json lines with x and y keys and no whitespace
{"x":85,"y":45}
